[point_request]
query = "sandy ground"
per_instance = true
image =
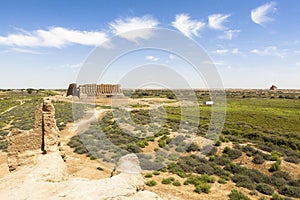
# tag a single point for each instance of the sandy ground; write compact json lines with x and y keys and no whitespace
{"x":81,"y":165}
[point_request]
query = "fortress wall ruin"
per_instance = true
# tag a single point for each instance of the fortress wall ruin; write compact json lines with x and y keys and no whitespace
{"x":25,"y":145}
{"x":94,"y":90}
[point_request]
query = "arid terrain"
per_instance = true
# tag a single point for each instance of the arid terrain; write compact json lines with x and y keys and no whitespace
{"x":255,"y":157}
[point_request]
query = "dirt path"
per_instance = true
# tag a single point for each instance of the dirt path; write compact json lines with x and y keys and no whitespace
{"x":81,"y":165}
{"x":11,"y":108}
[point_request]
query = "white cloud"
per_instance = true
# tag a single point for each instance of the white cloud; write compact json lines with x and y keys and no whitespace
{"x":235,"y":51}
{"x":126,"y":26}
{"x":260,"y":16}
{"x":298,"y":64}
{"x":66,"y":66}
{"x":152,"y":58}
{"x":21,"y":50}
{"x":218,"y":63}
{"x":188,"y":26}
{"x":269,"y":51}
{"x":54,"y":37}
{"x":221,"y":51}
{"x":230,"y":34}
{"x":216,"y":21}
{"x":172,"y":57}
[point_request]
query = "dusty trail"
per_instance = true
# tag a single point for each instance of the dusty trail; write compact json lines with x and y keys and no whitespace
{"x":81,"y":165}
{"x":13,"y":107}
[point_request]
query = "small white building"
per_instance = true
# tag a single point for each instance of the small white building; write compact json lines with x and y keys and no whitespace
{"x":208,"y":103}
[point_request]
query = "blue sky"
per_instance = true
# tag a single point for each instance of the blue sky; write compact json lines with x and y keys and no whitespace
{"x":253,"y":44}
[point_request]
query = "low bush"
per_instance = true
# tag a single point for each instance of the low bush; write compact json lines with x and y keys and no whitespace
{"x":223,"y":160}
{"x":291,"y":191}
{"x":258,"y":159}
{"x":193,"y":147}
{"x":292,"y":159}
{"x":3,"y":145}
{"x":222,"y":181}
{"x":232,"y":153}
{"x":176,"y":183}
{"x":156,"y":173}
{"x":237,"y":195}
{"x":166,"y":181}
{"x":204,"y":169}
{"x":276,"y":197}
{"x":264,"y":188}
{"x":175,"y":169}
{"x":202,"y":187}
{"x":151,"y":183}
{"x":275,"y":166}
{"x":253,"y":193}
{"x":247,"y":185}
{"x":282,"y":174}
{"x":275,"y":155}
{"x":148,"y":175}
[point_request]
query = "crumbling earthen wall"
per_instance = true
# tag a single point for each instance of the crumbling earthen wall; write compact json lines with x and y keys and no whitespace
{"x":23,"y":146}
{"x":94,"y":90}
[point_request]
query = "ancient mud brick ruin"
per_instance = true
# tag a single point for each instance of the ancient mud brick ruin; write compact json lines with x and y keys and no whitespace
{"x":23,"y":146}
{"x":94,"y":90}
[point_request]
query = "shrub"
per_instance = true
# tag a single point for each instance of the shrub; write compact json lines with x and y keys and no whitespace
{"x":172,"y":167}
{"x":149,"y":175}
{"x":226,"y":149}
{"x":204,"y":168}
{"x":264,"y":188}
{"x":161,"y":143}
{"x":3,"y":145}
{"x":283,"y":175}
{"x":166,"y":181}
{"x":232,"y":153}
{"x":206,"y":178}
{"x":291,"y":191}
{"x":292,"y":159}
{"x":132,"y":148}
{"x":202,"y":187}
{"x":253,"y":193}
{"x":248,"y":185}
{"x":221,"y":181}
{"x":258,"y":159}
{"x":275,"y":166}
{"x":193,"y":179}
{"x":218,"y":143}
{"x":176,"y":183}
{"x":275,"y":155}
{"x":237,"y":195}
{"x":92,"y":157}
{"x":156,"y":173}
{"x":193,"y":147}
{"x":237,"y":178}
{"x":212,"y":158}
{"x":151,"y":183}
{"x":243,"y":181}
{"x":276,"y":197}
{"x":223,"y":160}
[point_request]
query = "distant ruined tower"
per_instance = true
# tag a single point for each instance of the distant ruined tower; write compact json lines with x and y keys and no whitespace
{"x":94,"y":90}
{"x":273,"y":88}
{"x":72,"y":90}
